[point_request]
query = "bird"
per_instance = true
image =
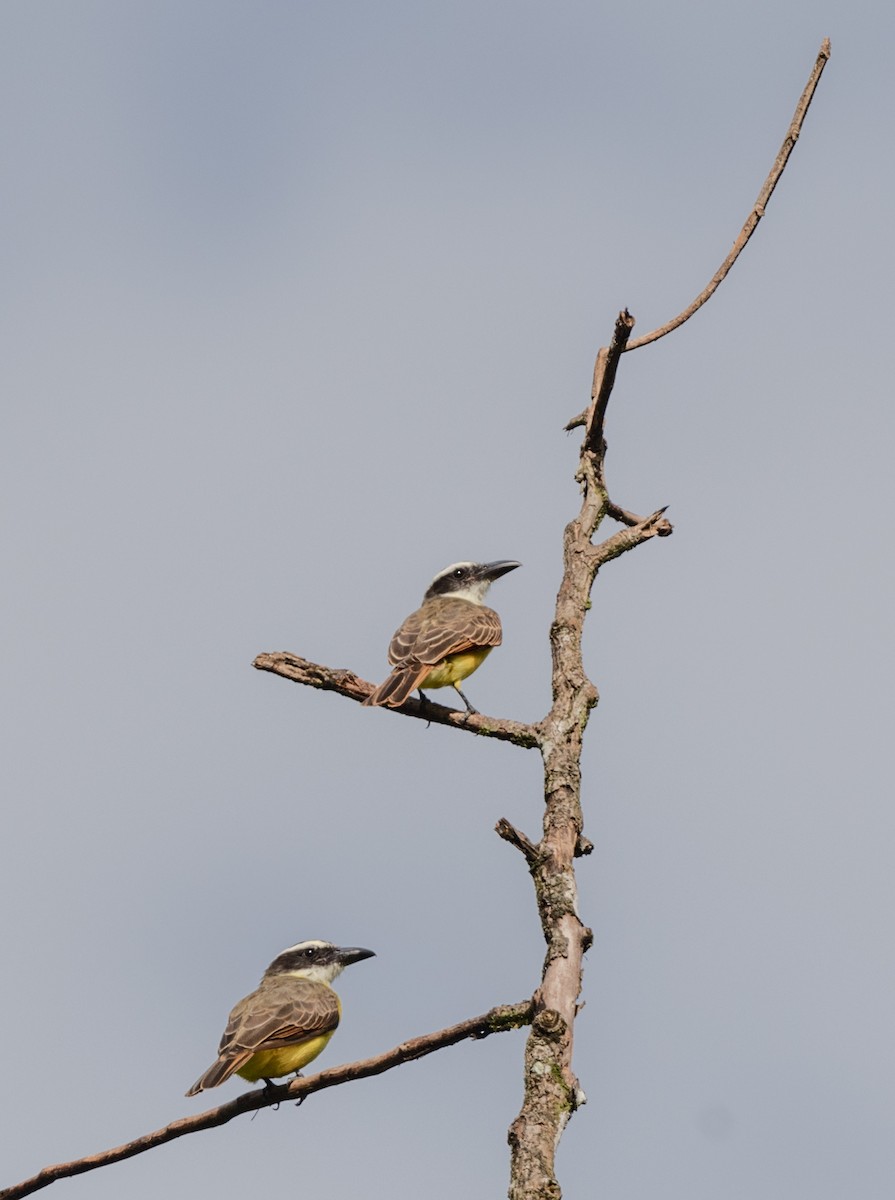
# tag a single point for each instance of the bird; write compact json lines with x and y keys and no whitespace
{"x":287,"y":1020}
{"x":447,"y":638}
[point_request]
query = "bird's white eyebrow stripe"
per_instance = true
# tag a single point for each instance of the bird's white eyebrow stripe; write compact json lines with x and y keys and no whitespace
{"x":302,"y":946}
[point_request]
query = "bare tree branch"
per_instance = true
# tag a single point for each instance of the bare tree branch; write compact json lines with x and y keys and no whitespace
{"x":327,"y":679}
{"x":552,"y":1092}
{"x":758,"y":209}
{"x":497,"y":1020}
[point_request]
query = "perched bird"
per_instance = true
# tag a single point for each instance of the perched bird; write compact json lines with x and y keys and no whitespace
{"x":448,"y":636}
{"x":287,"y":1020}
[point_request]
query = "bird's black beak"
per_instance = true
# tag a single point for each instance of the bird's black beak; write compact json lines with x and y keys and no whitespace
{"x":353,"y":954}
{"x":494,"y":570}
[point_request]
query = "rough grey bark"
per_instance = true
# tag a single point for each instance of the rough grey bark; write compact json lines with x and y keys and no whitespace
{"x":551,"y":1091}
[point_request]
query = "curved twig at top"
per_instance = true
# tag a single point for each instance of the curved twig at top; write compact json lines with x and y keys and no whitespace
{"x":758,"y":209}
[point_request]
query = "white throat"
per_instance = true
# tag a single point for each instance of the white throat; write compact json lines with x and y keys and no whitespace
{"x":475,"y":592}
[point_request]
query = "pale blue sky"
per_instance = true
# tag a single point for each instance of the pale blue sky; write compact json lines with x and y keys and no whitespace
{"x":297,"y":299}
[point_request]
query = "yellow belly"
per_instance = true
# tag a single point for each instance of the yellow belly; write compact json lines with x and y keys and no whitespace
{"x":271,"y":1064}
{"x":456,"y":667}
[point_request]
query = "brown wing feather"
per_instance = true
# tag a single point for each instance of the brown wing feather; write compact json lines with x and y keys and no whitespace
{"x":283,"y":1012}
{"x":442,"y":627}
{"x":278,"y":1014}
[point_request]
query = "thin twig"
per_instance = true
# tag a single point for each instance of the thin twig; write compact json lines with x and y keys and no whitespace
{"x":497,"y":1020}
{"x":328,"y":679}
{"x":758,"y":210}
{"x":623,"y":516}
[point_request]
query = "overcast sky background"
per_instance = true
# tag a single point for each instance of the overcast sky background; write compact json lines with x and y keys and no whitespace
{"x":297,"y":298}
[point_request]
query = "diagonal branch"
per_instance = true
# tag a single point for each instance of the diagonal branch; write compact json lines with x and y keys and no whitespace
{"x":641,"y":530}
{"x":758,"y":209}
{"x":496,"y":1020}
{"x":328,"y":679}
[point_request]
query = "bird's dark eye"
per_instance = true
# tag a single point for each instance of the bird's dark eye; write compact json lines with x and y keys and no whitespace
{"x":311,"y":952}
{"x":460,"y":572}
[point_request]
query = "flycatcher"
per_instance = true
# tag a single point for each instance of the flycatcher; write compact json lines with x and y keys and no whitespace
{"x":287,"y":1020}
{"x":448,"y":636}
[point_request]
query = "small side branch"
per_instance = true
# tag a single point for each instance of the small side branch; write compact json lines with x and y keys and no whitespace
{"x":644,"y":528}
{"x":623,"y":516}
{"x":346,"y":683}
{"x":497,"y":1020}
{"x":758,"y":209}
{"x":517,"y":838}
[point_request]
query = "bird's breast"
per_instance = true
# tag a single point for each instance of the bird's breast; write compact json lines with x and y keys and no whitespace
{"x":456,"y":667}
{"x":272,"y":1064}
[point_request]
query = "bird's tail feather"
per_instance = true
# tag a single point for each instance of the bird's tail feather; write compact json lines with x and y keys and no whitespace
{"x":216,"y":1074}
{"x":393,"y":691}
